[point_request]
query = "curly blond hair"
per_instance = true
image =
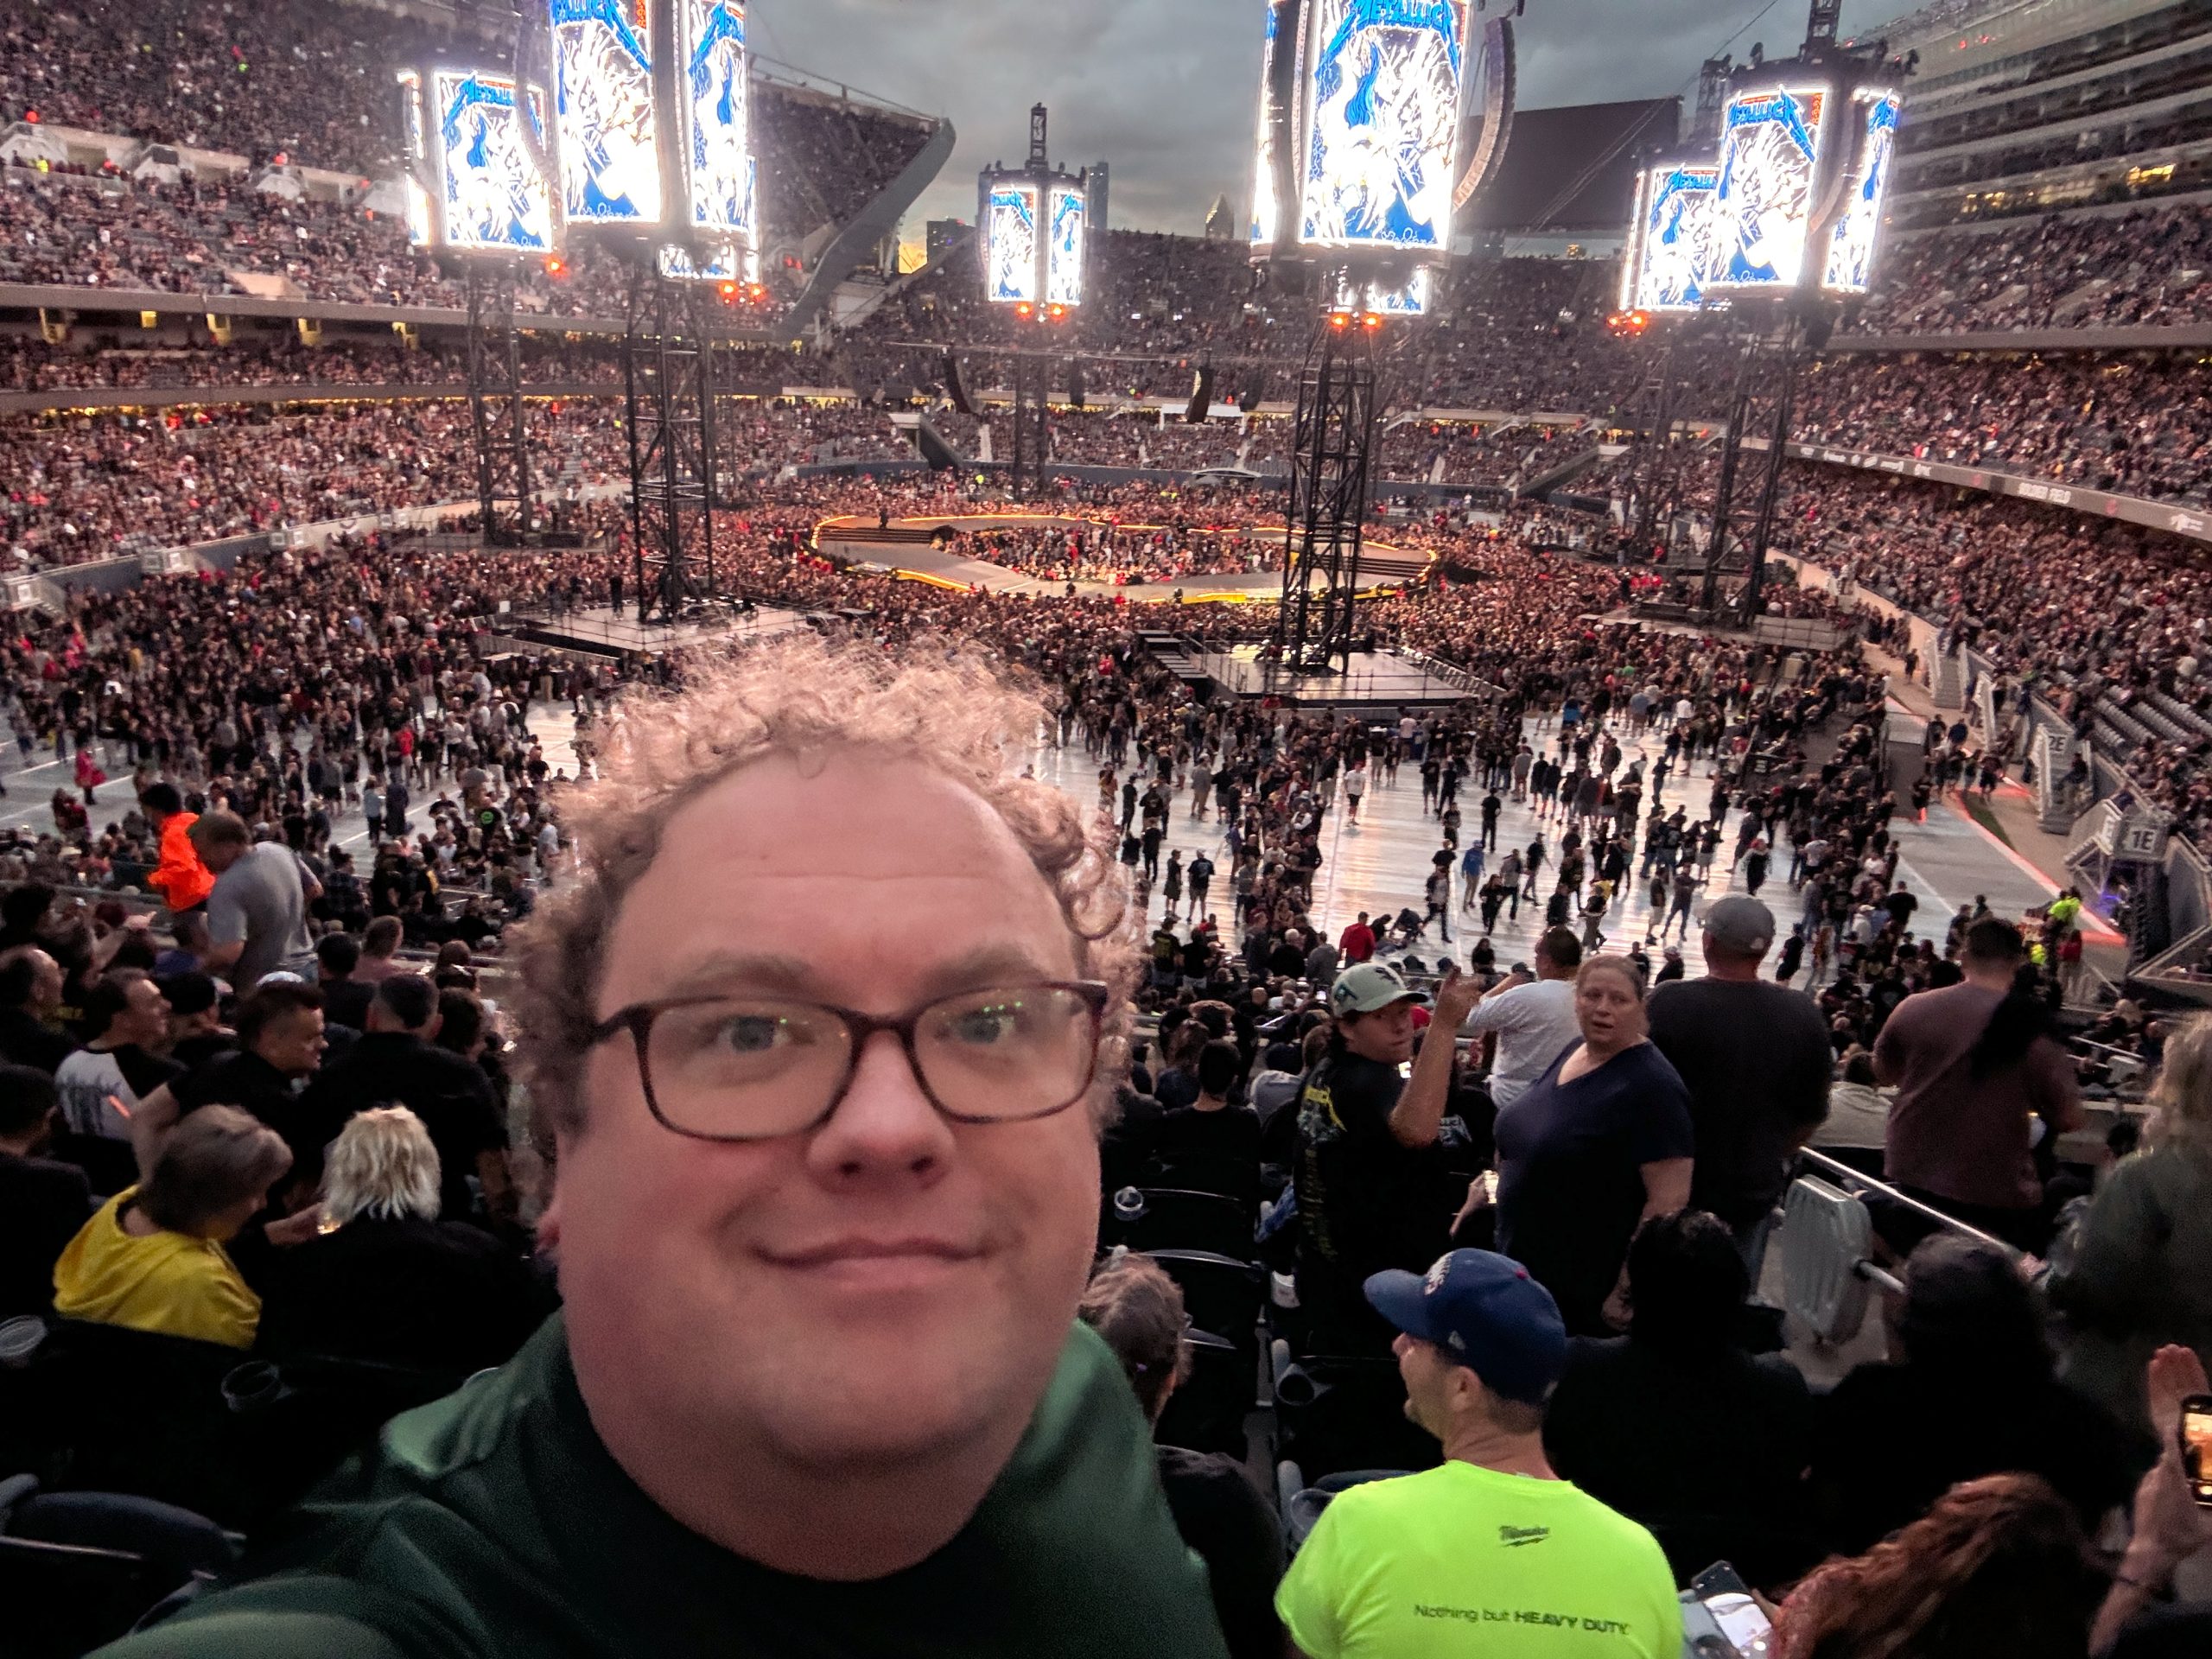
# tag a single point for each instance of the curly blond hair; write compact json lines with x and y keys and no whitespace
{"x":954,"y":710}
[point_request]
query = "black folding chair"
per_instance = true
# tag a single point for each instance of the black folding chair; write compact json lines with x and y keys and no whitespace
{"x":1177,"y":1219}
{"x":78,"y":1569}
{"x":1338,"y":1413}
{"x":1206,"y":1412}
{"x":1220,"y":1294}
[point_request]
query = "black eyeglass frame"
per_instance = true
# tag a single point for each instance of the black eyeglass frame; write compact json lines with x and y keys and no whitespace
{"x":637,"y":1019}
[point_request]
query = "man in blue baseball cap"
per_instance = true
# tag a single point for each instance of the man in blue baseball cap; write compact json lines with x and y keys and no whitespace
{"x":1490,"y":1553}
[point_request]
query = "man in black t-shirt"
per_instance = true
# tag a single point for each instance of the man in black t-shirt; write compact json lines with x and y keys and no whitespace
{"x":1756,"y":1059}
{"x":1363,"y":1133}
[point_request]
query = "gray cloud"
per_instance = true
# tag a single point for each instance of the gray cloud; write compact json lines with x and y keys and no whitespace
{"x":1164,"y":90}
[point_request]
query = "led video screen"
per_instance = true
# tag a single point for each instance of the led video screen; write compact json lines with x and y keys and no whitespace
{"x":1410,"y":300}
{"x":1267,"y":212}
{"x":420,"y":231}
{"x":722,"y":265}
{"x":1064,"y":258}
{"x":1010,"y":244}
{"x":1381,"y":85}
{"x":1850,"y":267}
{"x":1675,"y":236}
{"x":712,"y":114}
{"x":1770,"y":145}
{"x":494,"y":195}
{"x":603,"y":106}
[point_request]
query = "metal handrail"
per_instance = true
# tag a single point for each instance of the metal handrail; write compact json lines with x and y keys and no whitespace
{"x":1841,"y":1172}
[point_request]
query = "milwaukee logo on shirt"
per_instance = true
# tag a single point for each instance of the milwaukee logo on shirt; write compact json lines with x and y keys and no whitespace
{"x":1514,"y":1537}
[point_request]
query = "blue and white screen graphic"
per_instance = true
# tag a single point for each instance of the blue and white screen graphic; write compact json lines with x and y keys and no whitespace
{"x":1851,"y":252}
{"x":1063,"y":259}
{"x":1381,"y":90}
{"x":1770,"y":143}
{"x":1010,"y":244}
{"x":603,"y":105}
{"x":497,"y":199}
{"x":1676,"y":246}
{"x":722,"y":265}
{"x":717,"y":150}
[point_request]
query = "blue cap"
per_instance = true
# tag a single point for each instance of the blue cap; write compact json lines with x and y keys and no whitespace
{"x":1486,"y":1314}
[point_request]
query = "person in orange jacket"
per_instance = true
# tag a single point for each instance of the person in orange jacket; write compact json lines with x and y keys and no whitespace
{"x":180,"y":878}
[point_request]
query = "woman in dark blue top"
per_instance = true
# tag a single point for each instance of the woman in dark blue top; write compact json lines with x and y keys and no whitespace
{"x":1598,"y":1143}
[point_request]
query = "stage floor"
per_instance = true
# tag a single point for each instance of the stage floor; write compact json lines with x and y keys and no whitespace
{"x":1378,"y":679}
{"x":601,"y":630}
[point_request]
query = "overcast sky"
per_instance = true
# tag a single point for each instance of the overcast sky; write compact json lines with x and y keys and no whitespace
{"x":1164,"y":90}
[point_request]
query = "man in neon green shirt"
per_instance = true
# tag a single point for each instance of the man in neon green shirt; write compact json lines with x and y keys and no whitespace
{"x":1491,"y":1553}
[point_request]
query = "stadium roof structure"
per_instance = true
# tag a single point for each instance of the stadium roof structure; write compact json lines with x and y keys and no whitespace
{"x":1574,"y":168}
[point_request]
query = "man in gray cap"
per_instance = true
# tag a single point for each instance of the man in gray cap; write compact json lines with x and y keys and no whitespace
{"x":1366,"y":1140}
{"x":1754,"y":1057}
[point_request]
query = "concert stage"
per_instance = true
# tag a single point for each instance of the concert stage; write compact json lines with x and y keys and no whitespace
{"x":597,"y":631}
{"x":1379,"y":681}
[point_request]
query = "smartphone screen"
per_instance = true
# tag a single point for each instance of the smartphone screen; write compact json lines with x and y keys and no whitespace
{"x":2196,"y":1446}
{"x":1740,"y":1621}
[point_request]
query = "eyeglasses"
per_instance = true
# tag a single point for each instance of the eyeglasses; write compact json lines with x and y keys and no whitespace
{"x":754,"y":1068}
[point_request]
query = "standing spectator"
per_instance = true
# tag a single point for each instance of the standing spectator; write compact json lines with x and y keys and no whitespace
{"x":379,"y":958}
{"x":152,"y":1259}
{"x":257,"y":910}
{"x":1598,"y":1144}
{"x":103,"y":1083}
{"x":1974,"y":1065}
{"x":1492,"y":1527}
{"x":43,"y":1203}
{"x":1139,"y":1310}
{"x":1356,"y":942}
{"x":1754,"y":1057}
{"x":181,"y":879}
{"x":30,"y":998}
{"x":279,"y":1045}
{"x":1724,"y":1481}
{"x":1533,"y":1018}
{"x":1365,"y":1137}
{"x":2140,"y":1272}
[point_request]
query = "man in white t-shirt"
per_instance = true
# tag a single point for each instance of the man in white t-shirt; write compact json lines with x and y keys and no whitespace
{"x":1533,"y":1019}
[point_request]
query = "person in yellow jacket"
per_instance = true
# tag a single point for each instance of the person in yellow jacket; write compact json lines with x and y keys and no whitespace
{"x":180,"y":877}
{"x":152,"y":1258}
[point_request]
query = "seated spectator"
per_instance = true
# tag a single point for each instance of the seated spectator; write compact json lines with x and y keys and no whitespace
{"x":1856,"y":1126}
{"x":1999,"y":1566}
{"x":1974,"y":1395}
{"x":1721,"y":1478}
{"x":197,"y":1033}
{"x":280,"y":1041}
{"x":1599,"y":1144}
{"x":152,"y":1259}
{"x":1220,"y":1513}
{"x":384,"y":1278}
{"x":379,"y":951}
{"x":2139,"y":1274}
{"x":43,"y":1203}
{"x":102,"y":1084}
{"x":30,"y":998}
{"x":1211,"y":1144}
{"x":397,"y":1062}
{"x":1482,"y":1346}
{"x":345,"y":997}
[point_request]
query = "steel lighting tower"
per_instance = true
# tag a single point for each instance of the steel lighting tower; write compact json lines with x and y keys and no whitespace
{"x":1803,"y":174}
{"x":1035,"y":240}
{"x":651,"y":104}
{"x":479,"y":198}
{"x":1339,"y":78}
